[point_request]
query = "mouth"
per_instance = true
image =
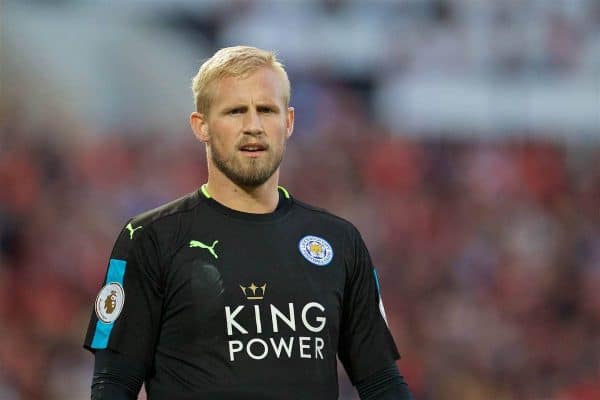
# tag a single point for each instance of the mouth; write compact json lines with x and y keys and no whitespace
{"x":253,"y":149}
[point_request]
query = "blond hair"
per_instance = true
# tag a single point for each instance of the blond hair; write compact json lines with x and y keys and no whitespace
{"x":233,"y":61}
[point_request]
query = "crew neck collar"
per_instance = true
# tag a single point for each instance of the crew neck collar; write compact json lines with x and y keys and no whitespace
{"x":283,"y":206}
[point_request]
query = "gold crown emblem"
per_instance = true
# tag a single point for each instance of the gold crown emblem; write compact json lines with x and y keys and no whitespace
{"x":252,"y":293}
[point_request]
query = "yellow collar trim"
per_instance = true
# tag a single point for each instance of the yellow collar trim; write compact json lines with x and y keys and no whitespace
{"x":204,"y":191}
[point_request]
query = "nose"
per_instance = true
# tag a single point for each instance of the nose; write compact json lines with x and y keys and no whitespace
{"x":252,"y":123}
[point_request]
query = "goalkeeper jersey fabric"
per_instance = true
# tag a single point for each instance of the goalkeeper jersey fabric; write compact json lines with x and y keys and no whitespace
{"x":221,"y":304}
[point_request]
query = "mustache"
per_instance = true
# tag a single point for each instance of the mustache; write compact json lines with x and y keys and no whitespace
{"x":253,"y":142}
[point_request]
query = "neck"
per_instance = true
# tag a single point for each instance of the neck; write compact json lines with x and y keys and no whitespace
{"x":256,"y":200}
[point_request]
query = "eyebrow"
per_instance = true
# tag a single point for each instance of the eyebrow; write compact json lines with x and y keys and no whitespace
{"x":245,"y":107}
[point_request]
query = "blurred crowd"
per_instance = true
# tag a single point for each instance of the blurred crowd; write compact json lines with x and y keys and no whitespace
{"x":488,"y":252}
{"x":447,"y":64}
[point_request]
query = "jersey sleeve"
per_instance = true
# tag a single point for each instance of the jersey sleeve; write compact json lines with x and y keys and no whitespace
{"x":366,"y":345}
{"x":127,"y":311}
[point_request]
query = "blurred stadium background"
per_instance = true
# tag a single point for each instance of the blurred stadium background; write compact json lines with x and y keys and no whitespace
{"x":461,"y":137}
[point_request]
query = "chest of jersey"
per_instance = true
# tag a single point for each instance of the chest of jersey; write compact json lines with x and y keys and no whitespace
{"x":251,"y":292}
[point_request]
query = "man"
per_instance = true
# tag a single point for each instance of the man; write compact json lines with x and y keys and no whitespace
{"x":238,"y":290}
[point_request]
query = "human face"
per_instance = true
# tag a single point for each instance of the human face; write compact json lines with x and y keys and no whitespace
{"x":247,"y":126}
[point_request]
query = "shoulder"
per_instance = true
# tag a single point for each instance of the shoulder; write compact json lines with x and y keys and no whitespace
{"x":168,"y":212}
{"x":162,"y":225}
{"x":337,"y":231}
{"x":324,"y":216}
{"x":156,"y":230}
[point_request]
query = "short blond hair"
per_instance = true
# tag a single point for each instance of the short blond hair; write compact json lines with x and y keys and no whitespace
{"x":233,"y":61}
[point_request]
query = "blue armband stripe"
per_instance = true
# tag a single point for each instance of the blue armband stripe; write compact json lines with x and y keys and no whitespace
{"x":116,"y":272}
{"x":377,"y":281}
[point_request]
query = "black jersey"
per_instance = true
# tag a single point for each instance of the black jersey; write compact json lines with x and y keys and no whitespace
{"x":221,"y":304}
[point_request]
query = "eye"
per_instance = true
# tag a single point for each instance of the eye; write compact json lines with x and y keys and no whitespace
{"x":238,"y":110}
{"x":265,"y":110}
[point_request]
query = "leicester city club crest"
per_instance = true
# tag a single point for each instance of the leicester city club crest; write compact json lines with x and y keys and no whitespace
{"x":316,"y":250}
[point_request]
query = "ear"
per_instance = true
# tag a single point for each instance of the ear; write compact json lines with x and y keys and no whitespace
{"x":290,"y":122}
{"x":199,"y":125}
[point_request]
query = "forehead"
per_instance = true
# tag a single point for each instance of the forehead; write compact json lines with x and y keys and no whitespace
{"x":263,"y":84}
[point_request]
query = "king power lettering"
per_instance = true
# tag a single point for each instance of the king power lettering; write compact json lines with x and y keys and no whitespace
{"x":276,"y":322}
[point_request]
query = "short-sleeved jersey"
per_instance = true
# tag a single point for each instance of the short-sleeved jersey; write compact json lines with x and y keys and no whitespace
{"x":221,"y":304}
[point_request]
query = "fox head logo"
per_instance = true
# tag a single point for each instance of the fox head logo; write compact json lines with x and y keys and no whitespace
{"x":316,"y":249}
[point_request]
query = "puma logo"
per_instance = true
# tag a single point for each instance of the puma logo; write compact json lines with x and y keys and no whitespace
{"x":211,"y":249}
{"x":129,"y":227}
